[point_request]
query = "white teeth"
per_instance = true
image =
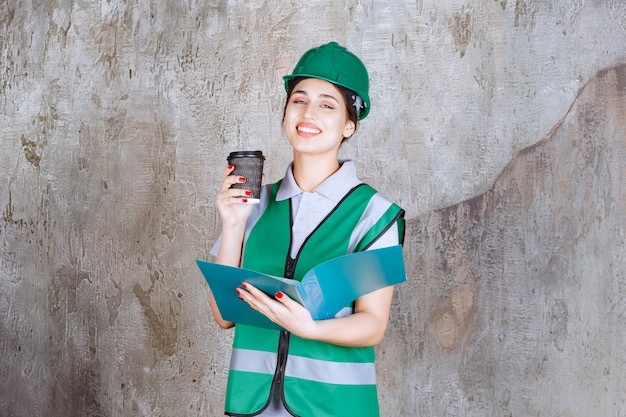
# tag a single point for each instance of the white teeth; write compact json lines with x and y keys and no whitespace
{"x":308,"y":130}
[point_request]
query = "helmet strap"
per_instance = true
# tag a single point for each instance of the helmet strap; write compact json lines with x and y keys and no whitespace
{"x":357,"y":102}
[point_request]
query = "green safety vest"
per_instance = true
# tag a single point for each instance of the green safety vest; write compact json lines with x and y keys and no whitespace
{"x":317,"y":379}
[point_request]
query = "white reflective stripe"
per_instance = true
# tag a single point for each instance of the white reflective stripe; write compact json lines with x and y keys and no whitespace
{"x":343,"y":373}
{"x":376,"y":207}
{"x":248,"y":360}
{"x":344,"y":312}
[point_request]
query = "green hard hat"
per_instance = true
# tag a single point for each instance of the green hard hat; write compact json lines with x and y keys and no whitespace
{"x":334,"y":63}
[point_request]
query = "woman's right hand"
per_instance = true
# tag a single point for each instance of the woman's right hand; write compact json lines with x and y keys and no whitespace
{"x":232,"y":208}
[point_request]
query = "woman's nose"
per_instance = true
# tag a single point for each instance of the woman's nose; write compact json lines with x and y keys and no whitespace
{"x":309,"y":112}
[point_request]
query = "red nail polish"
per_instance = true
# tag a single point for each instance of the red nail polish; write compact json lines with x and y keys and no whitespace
{"x":230,"y":167}
{"x":248,"y":192}
{"x":243,"y":284}
{"x":244,"y":200}
{"x":242,"y":179}
{"x":279,"y":295}
{"x":240,"y":297}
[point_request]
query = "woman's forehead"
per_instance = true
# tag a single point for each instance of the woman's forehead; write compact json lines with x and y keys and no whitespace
{"x":315,"y":86}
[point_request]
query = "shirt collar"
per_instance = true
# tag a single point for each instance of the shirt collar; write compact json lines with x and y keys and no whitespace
{"x":334,"y":187}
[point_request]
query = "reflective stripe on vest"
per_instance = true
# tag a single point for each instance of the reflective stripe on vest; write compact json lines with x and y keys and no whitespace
{"x":340,"y":373}
{"x":344,"y":312}
{"x":375,"y":209}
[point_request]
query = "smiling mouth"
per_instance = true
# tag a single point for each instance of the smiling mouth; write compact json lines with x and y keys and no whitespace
{"x":309,"y":130}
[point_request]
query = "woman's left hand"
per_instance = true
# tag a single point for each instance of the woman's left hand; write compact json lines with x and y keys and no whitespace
{"x":366,"y":327}
{"x":282,"y":310}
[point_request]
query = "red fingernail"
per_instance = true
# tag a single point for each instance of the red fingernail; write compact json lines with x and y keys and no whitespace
{"x":230,"y":167}
{"x":248,"y":192}
{"x":242,"y":179}
{"x":279,"y":295}
{"x":244,"y":200}
{"x":241,"y":297}
{"x":243,"y":284}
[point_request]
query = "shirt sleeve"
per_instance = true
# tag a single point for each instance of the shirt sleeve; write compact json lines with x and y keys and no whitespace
{"x":216,"y":247}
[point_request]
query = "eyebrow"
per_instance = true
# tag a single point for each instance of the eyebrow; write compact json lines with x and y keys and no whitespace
{"x":329,"y":96}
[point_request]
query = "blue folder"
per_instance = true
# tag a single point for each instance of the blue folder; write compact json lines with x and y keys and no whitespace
{"x":324,"y":290}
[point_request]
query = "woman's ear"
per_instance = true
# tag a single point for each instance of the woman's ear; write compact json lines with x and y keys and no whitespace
{"x":349,"y":129}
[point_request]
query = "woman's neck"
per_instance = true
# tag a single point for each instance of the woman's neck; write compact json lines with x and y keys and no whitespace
{"x":309,"y":172}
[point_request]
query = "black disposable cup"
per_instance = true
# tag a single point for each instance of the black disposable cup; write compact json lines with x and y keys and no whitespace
{"x":248,"y":164}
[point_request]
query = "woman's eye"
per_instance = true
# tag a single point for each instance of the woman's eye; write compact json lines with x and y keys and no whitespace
{"x":327,"y":106}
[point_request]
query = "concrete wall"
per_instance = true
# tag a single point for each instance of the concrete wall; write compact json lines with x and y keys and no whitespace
{"x":498,"y":125}
{"x":521,"y":291}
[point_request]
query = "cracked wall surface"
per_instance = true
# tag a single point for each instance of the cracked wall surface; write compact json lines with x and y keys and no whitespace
{"x":522,"y":289}
{"x":498,"y":125}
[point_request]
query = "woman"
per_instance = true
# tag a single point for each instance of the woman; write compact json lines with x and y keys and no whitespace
{"x":318,"y":211}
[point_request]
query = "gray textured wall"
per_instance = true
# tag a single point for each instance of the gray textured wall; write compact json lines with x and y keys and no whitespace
{"x":498,"y":125}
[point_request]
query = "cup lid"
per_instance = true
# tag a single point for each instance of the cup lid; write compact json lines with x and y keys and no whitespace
{"x":246,"y":154}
